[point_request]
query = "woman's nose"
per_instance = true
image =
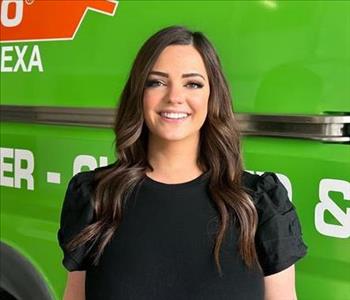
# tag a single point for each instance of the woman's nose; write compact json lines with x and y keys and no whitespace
{"x":175,"y":93}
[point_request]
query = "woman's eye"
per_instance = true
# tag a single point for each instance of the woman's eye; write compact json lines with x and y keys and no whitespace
{"x":156,"y":83}
{"x":195,"y":85}
{"x":153,"y":83}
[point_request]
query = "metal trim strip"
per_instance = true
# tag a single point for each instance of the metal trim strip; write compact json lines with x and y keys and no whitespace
{"x":333,"y":128}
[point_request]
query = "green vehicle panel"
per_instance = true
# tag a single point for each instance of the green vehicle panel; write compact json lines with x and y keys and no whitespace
{"x":288,"y":66}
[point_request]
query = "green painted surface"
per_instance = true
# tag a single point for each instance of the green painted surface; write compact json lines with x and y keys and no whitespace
{"x":280,"y":57}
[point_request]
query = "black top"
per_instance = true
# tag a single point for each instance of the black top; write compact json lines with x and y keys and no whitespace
{"x":163,"y":247}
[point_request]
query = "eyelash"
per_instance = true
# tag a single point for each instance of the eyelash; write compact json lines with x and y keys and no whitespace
{"x":150,"y":83}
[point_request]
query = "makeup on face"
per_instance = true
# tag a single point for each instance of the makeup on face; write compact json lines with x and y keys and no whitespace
{"x":176,"y":94}
{"x":155,"y":81}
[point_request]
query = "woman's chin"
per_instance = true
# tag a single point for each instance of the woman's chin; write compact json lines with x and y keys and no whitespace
{"x":174,"y":137}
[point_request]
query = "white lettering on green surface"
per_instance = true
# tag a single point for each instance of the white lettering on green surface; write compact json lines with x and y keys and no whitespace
{"x":17,"y":167}
{"x":53,"y":177}
{"x":89,"y":161}
{"x":16,"y":58}
{"x":12,"y":171}
{"x":326,"y":204}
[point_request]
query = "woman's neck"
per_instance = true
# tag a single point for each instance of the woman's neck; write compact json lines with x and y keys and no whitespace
{"x":174,"y":161}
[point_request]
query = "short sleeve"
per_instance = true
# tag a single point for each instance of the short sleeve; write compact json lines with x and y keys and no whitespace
{"x":76,"y":214}
{"x":278,"y":239}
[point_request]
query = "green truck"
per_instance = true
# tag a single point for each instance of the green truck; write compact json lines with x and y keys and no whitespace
{"x":64,"y":63}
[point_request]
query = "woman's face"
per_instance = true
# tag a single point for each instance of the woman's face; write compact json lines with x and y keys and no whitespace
{"x":177,"y":84}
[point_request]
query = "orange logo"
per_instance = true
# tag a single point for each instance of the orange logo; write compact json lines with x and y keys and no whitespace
{"x":43,"y":20}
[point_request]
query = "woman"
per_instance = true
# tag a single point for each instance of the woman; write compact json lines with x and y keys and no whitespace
{"x":176,"y":216}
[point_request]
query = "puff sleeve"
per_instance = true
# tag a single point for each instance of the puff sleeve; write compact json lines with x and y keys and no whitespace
{"x":76,"y":214}
{"x":278,"y":239}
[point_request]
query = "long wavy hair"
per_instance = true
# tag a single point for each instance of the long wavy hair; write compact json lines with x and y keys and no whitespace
{"x":220,"y":152}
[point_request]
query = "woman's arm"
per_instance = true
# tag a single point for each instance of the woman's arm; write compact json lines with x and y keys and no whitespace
{"x":75,"y":286}
{"x":281,"y":286}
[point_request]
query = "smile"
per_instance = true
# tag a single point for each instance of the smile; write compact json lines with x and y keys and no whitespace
{"x":174,"y":117}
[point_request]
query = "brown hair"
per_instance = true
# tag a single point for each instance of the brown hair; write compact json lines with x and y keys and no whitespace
{"x":220,"y":151}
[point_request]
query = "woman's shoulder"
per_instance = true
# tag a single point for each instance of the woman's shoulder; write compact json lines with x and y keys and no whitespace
{"x":278,"y":237}
{"x":267,"y":181}
{"x":80,"y":189}
{"x":77,"y":212}
{"x":268,"y":193}
{"x":84,"y":181}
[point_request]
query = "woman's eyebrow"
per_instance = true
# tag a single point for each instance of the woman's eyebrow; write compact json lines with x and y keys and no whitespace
{"x":183,"y":75}
{"x":192,"y":74}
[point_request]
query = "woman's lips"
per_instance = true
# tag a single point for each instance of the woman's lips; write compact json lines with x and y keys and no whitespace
{"x":174,"y":120}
